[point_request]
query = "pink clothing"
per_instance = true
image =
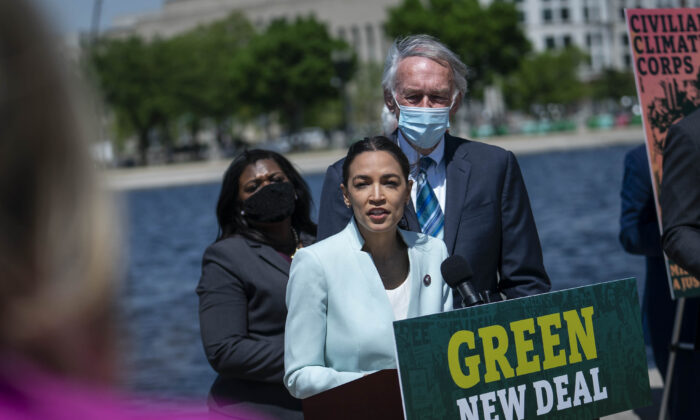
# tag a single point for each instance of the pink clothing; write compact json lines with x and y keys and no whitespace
{"x":27,"y":393}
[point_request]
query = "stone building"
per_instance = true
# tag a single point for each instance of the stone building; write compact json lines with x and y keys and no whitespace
{"x":358,"y":22}
{"x":596,"y":26}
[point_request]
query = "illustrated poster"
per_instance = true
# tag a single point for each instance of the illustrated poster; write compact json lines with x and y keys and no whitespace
{"x":665,"y":46}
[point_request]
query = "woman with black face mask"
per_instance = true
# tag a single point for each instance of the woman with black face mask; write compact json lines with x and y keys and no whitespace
{"x":264,"y":217}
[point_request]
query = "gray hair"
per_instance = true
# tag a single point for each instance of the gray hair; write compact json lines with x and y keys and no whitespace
{"x":422,"y":46}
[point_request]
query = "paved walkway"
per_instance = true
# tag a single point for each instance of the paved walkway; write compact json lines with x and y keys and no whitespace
{"x":314,"y":162}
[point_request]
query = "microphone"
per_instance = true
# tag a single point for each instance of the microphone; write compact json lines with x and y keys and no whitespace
{"x":458,"y":274}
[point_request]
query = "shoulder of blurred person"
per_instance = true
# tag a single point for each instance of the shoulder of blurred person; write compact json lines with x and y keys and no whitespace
{"x":28,"y":392}
{"x":680,"y":193}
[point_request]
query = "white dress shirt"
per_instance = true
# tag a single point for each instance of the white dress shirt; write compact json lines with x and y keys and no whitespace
{"x":400,"y":298}
{"x":437,"y":177}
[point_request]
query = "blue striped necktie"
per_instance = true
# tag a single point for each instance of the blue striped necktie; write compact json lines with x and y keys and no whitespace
{"x":428,"y":210}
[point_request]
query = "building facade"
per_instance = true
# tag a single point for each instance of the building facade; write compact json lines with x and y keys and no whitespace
{"x":358,"y":22}
{"x":596,"y":26}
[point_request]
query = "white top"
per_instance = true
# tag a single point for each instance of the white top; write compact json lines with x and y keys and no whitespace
{"x":437,"y":176}
{"x":399,"y":299}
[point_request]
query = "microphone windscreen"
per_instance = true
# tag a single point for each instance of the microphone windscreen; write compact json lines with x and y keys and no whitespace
{"x":455,"y":269}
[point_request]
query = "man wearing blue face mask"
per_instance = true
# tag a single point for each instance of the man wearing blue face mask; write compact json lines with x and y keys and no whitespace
{"x":469,"y":194}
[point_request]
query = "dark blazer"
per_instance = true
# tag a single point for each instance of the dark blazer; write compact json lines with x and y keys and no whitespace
{"x":488,"y":219}
{"x":680,"y":194}
{"x":639,"y":226}
{"x":242,"y":315}
{"x":680,"y":218}
{"x":640,"y":234}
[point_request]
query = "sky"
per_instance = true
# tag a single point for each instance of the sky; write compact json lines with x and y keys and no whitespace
{"x":73,"y":16}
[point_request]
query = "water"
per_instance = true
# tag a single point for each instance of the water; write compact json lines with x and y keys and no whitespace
{"x":575,"y":199}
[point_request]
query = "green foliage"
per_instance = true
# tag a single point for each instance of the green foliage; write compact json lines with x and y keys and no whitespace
{"x":550,"y":77}
{"x":222,"y":71}
{"x":613,"y":84}
{"x":367,"y":99}
{"x":206,"y":66}
{"x":289,"y":68}
{"x":135,"y":81}
{"x":488,"y":39}
{"x":327,"y":115}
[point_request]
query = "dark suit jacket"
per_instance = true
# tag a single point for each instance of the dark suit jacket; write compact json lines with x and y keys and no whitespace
{"x":680,"y":194}
{"x":242,"y":315}
{"x":680,"y":214}
{"x":640,"y":234}
{"x":488,"y":219}
{"x":639,"y":226}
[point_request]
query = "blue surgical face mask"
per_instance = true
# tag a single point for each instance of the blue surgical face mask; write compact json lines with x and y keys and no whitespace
{"x":423,"y":127}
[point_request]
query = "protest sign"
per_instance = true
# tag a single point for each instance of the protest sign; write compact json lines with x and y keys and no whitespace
{"x":575,"y":354}
{"x":665,"y":47}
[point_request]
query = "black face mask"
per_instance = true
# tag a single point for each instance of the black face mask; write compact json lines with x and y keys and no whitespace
{"x":272,"y":203}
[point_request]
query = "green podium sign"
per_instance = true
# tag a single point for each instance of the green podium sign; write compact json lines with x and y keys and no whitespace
{"x":574,"y":354}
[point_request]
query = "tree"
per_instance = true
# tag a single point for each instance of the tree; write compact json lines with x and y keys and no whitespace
{"x":550,"y":77}
{"x":289,"y":69}
{"x":488,"y":39}
{"x":368,"y":99}
{"x":207,"y":72}
{"x":219,"y":71}
{"x":137,"y":82}
{"x":613,"y":84}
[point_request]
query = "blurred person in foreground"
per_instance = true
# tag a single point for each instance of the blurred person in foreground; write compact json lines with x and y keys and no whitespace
{"x":57,"y":247}
{"x":345,"y":291}
{"x":483,"y":212}
{"x":264,"y":216}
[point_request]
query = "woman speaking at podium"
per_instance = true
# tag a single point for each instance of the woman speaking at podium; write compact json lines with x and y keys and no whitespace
{"x":344,"y":292}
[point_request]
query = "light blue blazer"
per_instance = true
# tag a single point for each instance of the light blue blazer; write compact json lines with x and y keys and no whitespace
{"x":339,"y":320}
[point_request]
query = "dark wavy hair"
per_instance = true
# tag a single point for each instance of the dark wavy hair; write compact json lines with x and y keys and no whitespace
{"x":375,"y":144}
{"x":228,"y":208}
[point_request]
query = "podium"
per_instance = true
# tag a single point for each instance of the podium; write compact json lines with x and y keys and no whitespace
{"x":373,"y":397}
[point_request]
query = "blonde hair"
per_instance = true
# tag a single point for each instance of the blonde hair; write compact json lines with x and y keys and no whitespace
{"x":56,"y":251}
